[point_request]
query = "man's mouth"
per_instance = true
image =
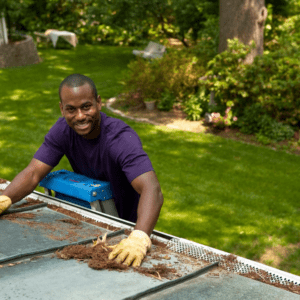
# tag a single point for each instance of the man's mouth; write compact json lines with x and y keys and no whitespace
{"x":82,"y":125}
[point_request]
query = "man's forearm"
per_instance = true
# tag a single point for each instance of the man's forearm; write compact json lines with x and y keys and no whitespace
{"x":22,"y":185}
{"x":150,"y":203}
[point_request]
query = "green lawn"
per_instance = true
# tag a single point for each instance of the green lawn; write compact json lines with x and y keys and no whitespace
{"x":239,"y":198}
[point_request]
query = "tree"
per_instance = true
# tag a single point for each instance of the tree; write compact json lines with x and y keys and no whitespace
{"x":173,"y":18}
{"x":243,"y":19}
{"x":13,"y":10}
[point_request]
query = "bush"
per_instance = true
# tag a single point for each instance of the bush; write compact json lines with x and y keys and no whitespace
{"x":273,"y":80}
{"x":274,"y":130}
{"x":249,"y":122}
{"x":196,"y":105}
{"x":177,"y":72}
{"x":207,"y":46}
{"x":193,"y":108}
{"x":256,"y":121}
{"x":166,"y":102}
{"x":219,"y":121}
{"x":225,"y":75}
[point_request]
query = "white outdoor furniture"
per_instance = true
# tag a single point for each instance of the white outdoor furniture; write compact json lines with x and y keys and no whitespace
{"x":53,"y":35}
{"x":153,"y":50}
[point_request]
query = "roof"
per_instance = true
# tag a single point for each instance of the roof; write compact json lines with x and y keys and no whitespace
{"x":30,"y":239}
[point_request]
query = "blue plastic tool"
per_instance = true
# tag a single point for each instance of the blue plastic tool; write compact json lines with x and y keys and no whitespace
{"x":66,"y":183}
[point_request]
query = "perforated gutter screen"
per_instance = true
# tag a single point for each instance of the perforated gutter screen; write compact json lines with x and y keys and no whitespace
{"x":239,"y":265}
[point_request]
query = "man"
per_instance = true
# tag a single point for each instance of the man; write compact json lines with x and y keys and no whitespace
{"x":103,"y":148}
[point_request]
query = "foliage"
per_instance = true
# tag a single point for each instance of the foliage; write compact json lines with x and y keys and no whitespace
{"x":207,"y":45}
{"x":256,"y":120}
{"x":144,"y":79}
{"x":219,"y":121}
{"x":283,"y":38}
{"x":196,"y":105}
{"x":249,"y":121}
{"x":225,"y":74}
{"x":293,"y":7}
{"x":28,"y":16}
{"x":273,"y":80}
{"x":281,"y":7}
{"x":177,"y":72}
{"x":281,"y":27}
{"x":166,"y":102}
{"x":172,"y":19}
{"x":56,"y":14}
{"x":190,"y":16}
{"x":274,"y":130}
{"x":125,"y":22}
{"x":13,"y":10}
{"x":193,"y":108}
{"x":275,"y":84}
{"x":149,"y":99}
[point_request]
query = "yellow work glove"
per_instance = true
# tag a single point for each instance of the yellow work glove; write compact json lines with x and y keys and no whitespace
{"x":5,"y":203}
{"x":132,"y":249}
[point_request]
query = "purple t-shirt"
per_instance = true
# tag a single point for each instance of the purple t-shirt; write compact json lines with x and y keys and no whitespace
{"x":116,"y":155}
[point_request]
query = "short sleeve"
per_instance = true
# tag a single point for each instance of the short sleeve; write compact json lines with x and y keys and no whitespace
{"x":51,"y":151}
{"x":131,"y":157}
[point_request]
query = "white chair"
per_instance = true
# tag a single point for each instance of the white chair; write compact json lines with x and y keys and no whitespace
{"x":153,"y":50}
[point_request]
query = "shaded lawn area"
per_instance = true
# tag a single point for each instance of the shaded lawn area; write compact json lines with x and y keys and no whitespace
{"x":239,"y":198}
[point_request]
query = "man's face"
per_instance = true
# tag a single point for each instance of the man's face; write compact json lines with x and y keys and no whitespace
{"x":81,"y":110}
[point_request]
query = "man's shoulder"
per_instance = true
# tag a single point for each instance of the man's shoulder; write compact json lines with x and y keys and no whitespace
{"x":110,"y":121}
{"x":59,"y":128}
{"x":61,"y":122}
{"x":119,"y":136}
{"x":113,"y":127}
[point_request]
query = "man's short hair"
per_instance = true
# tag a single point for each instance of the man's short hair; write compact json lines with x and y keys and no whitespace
{"x":76,"y":80}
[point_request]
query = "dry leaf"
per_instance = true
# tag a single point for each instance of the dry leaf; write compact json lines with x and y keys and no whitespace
{"x":99,"y":241}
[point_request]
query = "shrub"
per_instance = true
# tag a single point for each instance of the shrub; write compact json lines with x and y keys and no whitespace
{"x":273,"y":80}
{"x":274,"y":130}
{"x":225,"y":75}
{"x":219,"y":121}
{"x":249,"y":122}
{"x":256,"y":120}
{"x":177,"y":72}
{"x":196,"y":105}
{"x":207,"y":46}
{"x":145,"y":79}
{"x":193,"y":108}
{"x":166,"y":102}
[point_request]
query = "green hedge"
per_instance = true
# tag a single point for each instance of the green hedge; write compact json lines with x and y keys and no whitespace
{"x":273,"y":80}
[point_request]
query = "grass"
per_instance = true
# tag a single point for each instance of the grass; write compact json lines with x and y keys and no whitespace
{"x":236,"y":197}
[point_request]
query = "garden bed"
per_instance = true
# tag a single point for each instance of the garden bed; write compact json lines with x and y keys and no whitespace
{"x":176,"y":119}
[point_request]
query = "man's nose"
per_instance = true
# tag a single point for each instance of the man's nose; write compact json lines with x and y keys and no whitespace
{"x":80,"y":115}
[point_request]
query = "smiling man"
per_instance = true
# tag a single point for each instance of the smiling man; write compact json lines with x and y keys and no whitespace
{"x":102,"y":148}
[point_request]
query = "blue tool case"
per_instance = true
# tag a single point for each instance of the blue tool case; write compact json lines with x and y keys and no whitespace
{"x":70,"y":184}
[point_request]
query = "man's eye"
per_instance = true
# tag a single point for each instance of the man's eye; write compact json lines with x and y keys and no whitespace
{"x":70,"y":109}
{"x":87,"y":107}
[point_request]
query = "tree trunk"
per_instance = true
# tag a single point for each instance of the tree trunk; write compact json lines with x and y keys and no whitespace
{"x":243,"y":19}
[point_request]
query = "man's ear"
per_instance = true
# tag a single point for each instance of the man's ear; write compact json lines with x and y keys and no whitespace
{"x":99,"y":103}
{"x":61,"y":108}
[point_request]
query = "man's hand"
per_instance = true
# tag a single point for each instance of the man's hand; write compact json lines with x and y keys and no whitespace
{"x":132,"y":249}
{"x":5,"y":203}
